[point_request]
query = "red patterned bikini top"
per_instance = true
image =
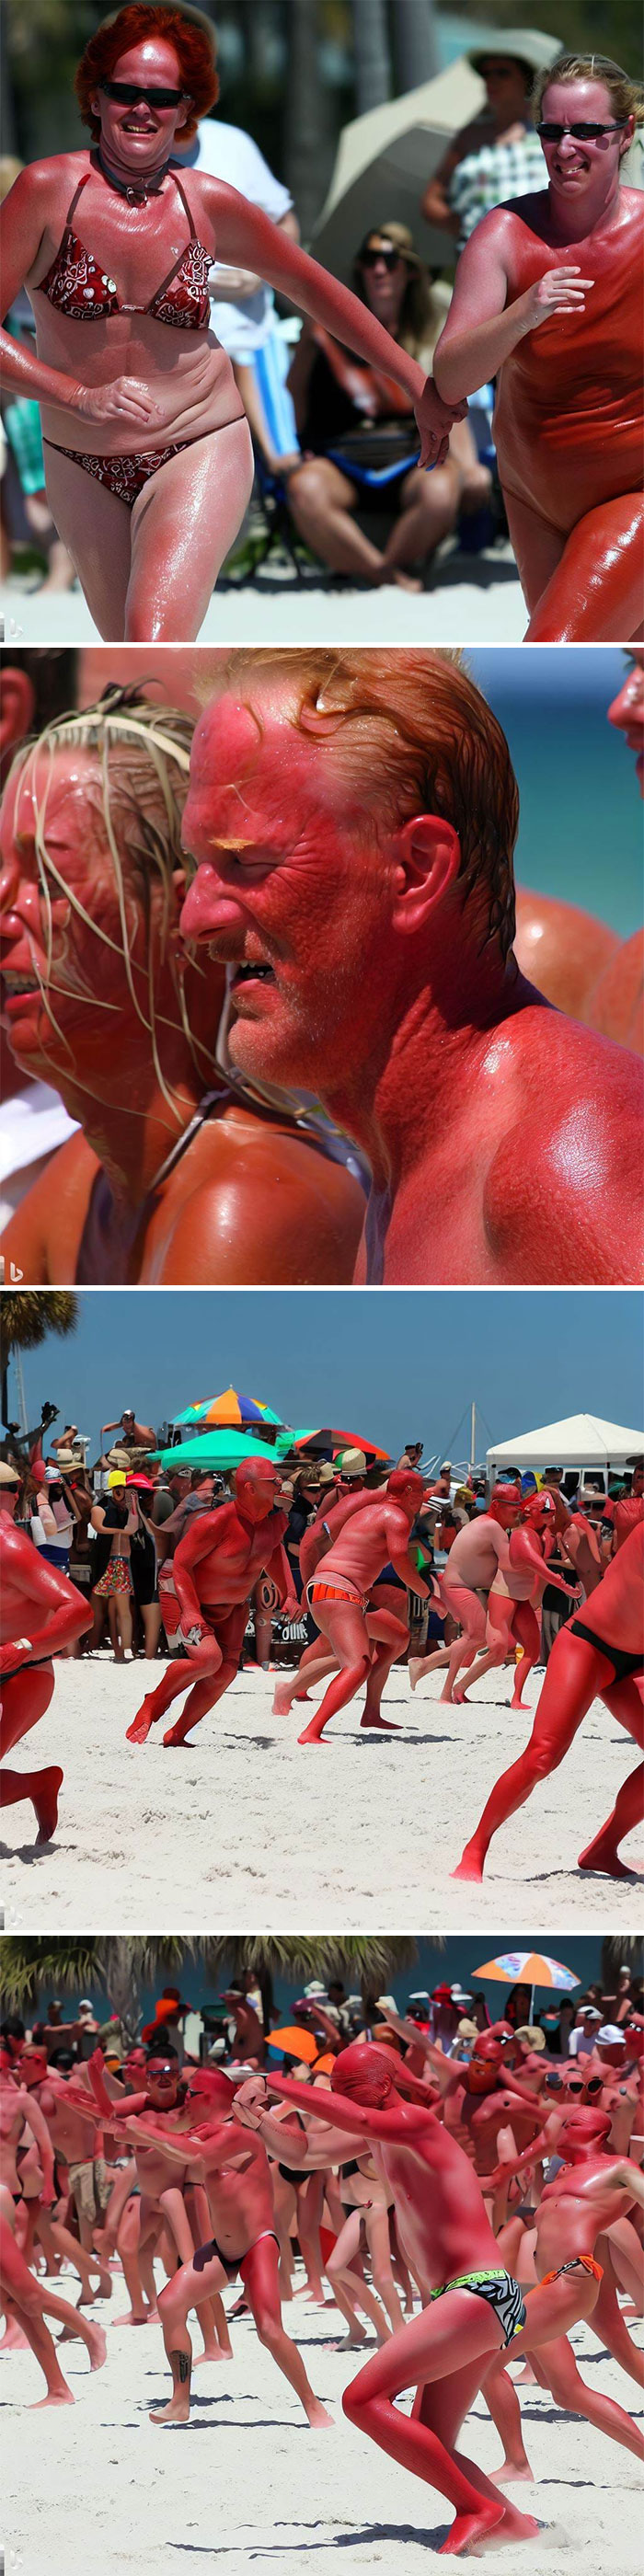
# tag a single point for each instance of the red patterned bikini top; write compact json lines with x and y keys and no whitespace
{"x":79,"y":288}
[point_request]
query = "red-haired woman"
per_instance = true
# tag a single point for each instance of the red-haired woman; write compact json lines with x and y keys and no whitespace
{"x":148,"y":453}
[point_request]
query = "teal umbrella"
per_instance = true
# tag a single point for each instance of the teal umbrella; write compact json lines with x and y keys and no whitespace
{"x":220,"y":1449}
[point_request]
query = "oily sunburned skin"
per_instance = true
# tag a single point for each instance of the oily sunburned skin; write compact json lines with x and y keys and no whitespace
{"x":279,"y":887}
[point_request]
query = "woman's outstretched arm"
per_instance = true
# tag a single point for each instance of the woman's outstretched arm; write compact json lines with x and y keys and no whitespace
{"x":247,"y":236}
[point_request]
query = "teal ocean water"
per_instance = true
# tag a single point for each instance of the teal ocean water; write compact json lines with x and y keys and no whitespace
{"x":580,"y":833}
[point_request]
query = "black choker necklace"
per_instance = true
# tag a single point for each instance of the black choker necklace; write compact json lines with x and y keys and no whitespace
{"x":137,"y":192}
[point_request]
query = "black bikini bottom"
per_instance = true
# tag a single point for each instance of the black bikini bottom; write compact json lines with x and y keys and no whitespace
{"x":623,"y":1664}
{"x":230,"y":2263}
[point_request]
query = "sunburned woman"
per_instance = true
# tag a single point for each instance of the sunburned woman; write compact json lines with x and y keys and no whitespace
{"x":148,"y":452}
{"x":548,"y":298}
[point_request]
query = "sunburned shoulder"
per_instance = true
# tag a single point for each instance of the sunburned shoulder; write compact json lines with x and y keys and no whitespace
{"x":265,"y":1205}
{"x":43,"y":1234}
{"x":497,"y":228}
{"x":44,"y":179}
{"x":563,"y":1190}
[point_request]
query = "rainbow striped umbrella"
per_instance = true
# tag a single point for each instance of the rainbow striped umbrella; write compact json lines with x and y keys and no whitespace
{"x":231,"y":1411}
{"x":528,"y":1968}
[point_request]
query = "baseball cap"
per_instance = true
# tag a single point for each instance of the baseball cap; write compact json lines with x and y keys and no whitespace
{"x":116,"y":1477}
{"x":611,"y":2035}
{"x":590,"y":2012}
{"x":442,"y":1995}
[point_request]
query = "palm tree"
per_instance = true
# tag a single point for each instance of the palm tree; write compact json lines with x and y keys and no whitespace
{"x":26,"y":1317}
{"x":620,"y":1950}
{"x":121,"y":1967}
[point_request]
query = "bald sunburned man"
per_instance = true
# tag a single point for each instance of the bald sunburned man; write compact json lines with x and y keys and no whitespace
{"x":353,"y":816}
{"x":215,"y":1569}
{"x":479,"y":1554}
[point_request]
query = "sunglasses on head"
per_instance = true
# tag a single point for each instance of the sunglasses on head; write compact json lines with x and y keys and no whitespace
{"x":582,"y":132}
{"x":128,"y":94}
{"x":380,"y":258}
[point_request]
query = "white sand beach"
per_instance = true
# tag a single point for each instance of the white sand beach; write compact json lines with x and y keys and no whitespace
{"x":248,"y":2485}
{"x":244,"y":1826}
{"x":477,"y":599}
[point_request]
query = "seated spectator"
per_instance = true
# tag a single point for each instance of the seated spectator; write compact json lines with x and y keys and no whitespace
{"x":350,"y":420}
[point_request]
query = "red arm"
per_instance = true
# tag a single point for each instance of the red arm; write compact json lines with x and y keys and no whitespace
{"x":46,"y":1590}
{"x":248,"y":239}
{"x":403,"y":2125}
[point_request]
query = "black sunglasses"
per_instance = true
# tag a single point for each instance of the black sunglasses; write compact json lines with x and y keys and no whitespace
{"x":380,"y":258}
{"x":127,"y":94}
{"x":583,"y":133}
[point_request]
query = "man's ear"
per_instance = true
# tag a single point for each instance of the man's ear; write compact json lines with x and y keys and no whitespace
{"x":426,"y":854}
{"x":17,"y":709}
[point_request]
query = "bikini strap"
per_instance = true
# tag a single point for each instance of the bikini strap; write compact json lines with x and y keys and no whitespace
{"x":81,"y":184}
{"x":184,"y":201}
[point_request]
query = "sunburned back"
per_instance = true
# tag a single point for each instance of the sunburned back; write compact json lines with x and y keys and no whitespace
{"x":569,"y":406}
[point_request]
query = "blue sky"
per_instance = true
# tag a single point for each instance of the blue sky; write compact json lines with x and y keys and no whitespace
{"x":392,"y":1364}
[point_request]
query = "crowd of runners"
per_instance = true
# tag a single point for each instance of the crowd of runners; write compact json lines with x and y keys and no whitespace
{"x":359,"y":1560}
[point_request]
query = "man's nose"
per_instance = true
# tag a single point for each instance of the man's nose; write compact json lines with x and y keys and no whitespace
{"x":18,"y":897}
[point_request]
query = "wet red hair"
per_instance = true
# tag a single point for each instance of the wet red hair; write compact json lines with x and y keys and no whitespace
{"x":192,"y":45}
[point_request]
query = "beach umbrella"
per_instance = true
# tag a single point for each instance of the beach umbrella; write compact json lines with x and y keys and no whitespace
{"x":528,"y":1968}
{"x":383,"y":163}
{"x":232,"y":1410}
{"x":326,"y":1443}
{"x":295,"y":2043}
{"x":220,"y":1449}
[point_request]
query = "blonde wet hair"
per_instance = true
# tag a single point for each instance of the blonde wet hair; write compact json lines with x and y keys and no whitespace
{"x":626,"y":96}
{"x":143,"y":758}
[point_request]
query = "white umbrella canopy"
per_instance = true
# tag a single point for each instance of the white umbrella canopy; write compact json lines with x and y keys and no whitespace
{"x":383,"y":164}
{"x":385,"y":159}
{"x":582,"y":1440}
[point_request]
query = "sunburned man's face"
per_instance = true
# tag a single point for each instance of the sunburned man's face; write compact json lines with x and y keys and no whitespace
{"x":257,"y":1490}
{"x":286,"y":892}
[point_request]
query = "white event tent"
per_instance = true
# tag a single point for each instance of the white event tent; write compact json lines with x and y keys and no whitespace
{"x":581,"y":1441}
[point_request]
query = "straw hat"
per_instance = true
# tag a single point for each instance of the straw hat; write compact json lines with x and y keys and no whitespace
{"x":351,"y":1462}
{"x":515,"y":44}
{"x":8,"y":1475}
